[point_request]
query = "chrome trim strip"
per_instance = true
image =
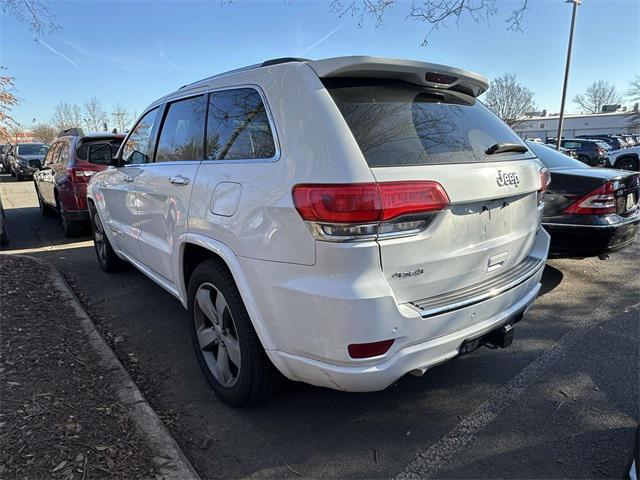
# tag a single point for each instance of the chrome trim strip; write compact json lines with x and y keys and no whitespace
{"x":627,"y":221}
{"x":480,"y":291}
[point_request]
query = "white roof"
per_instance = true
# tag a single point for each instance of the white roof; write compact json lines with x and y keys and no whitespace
{"x":370,"y":67}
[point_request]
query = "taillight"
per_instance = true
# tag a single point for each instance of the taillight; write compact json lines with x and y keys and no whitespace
{"x":545,"y":181}
{"x":80,"y":175}
{"x":361,"y":211}
{"x":368,"y":350}
{"x":600,"y":201}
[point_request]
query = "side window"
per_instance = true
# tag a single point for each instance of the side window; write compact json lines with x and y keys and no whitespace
{"x":52,"y":154}
{"x":238,"y":126}
{"x":64,"y":153}
{"x":136,"y":149}
{"x":182,"y":134}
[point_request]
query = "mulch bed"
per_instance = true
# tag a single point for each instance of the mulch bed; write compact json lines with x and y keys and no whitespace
{"x":59,"y":413}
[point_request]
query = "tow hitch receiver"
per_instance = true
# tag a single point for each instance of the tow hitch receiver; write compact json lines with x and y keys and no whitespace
{"x":500,"y":337}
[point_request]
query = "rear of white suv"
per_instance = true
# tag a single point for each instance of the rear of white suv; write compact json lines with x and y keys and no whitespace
{"x":356,"y":219}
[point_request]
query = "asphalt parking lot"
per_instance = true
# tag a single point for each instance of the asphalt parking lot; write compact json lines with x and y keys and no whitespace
{"x":562,"y":401}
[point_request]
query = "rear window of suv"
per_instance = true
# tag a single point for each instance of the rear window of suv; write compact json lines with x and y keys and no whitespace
{"x":400,"y":124}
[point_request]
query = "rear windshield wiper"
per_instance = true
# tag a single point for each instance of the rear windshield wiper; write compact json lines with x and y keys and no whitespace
{"x":504,"y":147}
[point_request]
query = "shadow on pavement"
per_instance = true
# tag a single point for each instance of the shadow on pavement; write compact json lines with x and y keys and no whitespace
{"x":551,"y":278}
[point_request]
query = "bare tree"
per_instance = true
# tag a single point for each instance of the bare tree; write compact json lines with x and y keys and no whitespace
{"x":44,"y":132}
{"x":8,"y":100}
{"x":436,"y":13}
{"x":95,"y":118}
{"x":121,"y":118}
{"x":634,"y":89}
{"x":67,"y":115}
{"x":38,"y":14}
{"x":597,"y":95}
{"x":509,"y":99}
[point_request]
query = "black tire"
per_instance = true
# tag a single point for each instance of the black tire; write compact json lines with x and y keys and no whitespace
{"x":45,"y":210}
{"x":628,"y":163}
{"x":108,"y":259}
{"x":13,"y":174}
{"x":19,"y":177}
{"x":70,"y":228}
{"x":257,"y":378}
{"x":4,"y":236}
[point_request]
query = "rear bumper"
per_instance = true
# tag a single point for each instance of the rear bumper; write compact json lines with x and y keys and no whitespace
{"x":368,"y":378}
{"x":569,"y":240}
{"x":312,"y":325}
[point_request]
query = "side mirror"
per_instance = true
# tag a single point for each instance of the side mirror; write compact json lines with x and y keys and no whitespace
{"x":100,"y":153}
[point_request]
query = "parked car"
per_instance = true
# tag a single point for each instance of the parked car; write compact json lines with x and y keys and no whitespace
{"x":25,"y":159}
{"x":4,"y":148}
{"x":590,"y":152}
{"x":4,"y":158}
{"x":625,"y":158}
{"x":588,"y":211}
{"x":61,"y":185}
{"x":631,"y":141}
{"x":566,"y":151}
{"x":395,"y":228}
{"x":614,"y":142}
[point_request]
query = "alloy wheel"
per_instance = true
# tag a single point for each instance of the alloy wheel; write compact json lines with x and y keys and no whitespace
{"x":217,"y":334}
{"x":626,"y":164}
{"x":99,"y":240}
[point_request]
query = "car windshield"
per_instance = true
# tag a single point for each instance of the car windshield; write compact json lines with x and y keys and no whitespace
{"x":553,"y":159}
{"x":35,"y":149}
{"x":400,"y":124}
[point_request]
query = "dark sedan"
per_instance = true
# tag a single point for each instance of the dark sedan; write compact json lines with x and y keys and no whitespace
{"x":588,"y":211}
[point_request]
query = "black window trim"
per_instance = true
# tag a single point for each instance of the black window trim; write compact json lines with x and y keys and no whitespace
{"x":161,"y":105}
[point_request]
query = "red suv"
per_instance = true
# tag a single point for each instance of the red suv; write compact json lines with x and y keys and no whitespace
{"x":61,"y":184}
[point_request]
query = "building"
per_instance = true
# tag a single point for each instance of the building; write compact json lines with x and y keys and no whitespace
{"x":590,"y":124}
{"x":19,"y":137}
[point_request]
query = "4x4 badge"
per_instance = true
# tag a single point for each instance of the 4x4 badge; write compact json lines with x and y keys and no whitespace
{"x":507,"y":178}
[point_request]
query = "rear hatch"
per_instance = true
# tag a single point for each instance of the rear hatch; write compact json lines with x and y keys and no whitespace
{"x":408,"y":132}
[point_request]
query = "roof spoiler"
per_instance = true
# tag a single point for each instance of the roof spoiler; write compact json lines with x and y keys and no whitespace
{"x":73,"y":132}
{"x":418,"y":73}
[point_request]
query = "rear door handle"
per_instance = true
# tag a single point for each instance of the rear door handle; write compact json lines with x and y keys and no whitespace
{"x":179,"y":180}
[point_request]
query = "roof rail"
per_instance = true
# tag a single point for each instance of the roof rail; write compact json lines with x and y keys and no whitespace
{"x":278,"y":61}
{"x":266,"y":63}
{"x":73,"y":132}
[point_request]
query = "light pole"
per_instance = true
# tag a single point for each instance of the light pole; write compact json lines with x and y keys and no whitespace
{"x":566,"y":71}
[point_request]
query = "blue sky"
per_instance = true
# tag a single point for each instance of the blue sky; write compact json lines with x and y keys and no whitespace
{"x":133,"y":52}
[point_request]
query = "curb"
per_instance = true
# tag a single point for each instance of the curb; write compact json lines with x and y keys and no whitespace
{"x":170,"y":459}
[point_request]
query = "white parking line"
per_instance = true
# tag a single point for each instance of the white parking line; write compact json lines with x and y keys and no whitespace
{"x":49,"y":248}
{"x":430,"y":461}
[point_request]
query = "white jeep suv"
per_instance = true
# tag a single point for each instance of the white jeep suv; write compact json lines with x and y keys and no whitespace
{"x":343,"y":221}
